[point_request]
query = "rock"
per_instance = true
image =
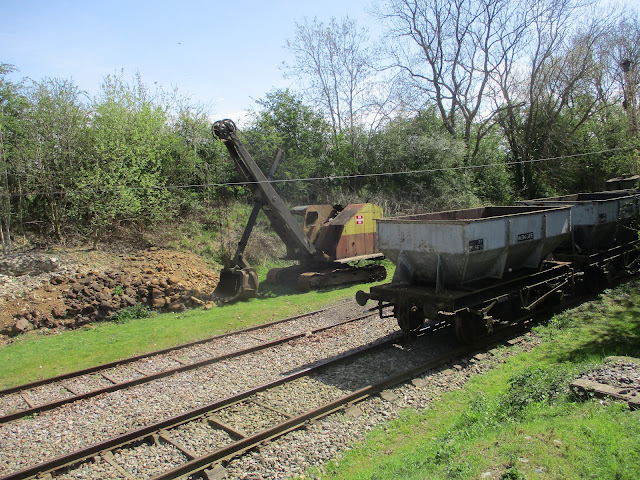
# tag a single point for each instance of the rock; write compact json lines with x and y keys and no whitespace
{"x":129,"y":301}
{"x":77,"y":296}
{"x":158,"y":303}
{"x":196,"y":301}
{"x":157,"y":292}
{"x":104,"y":297}
{"x":106,"y":306}
{"x":49,"y":321}
{"x":23,"y":325}
{"x":177,"y":307}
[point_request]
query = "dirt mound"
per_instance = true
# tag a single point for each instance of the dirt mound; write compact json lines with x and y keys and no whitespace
{"x":88,"y":287}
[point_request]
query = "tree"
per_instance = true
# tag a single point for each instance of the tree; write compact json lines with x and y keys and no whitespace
{"x":52,"y":145}
{"x":12,"y":103}
{"x":336,"y":69}
{"x":558,"y":87}
{"x":121,"y":179}
{"x":286,"y":123}
{"x":410,"y":144}
{"x":447,"y":52}
{"x":193,"y":155}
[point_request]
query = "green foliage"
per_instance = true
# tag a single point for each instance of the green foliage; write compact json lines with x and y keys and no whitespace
{"x":492,"y":179}
{"x":12,"y":105}
{"x":410,"y":144}
{"x":536,"y":385}
{"x":72,"y":165}
{"x":51,"y":149}
{"x":302,"y":134}
{"x":132,"y":313}
{"x":512,"y":473}
{"x":121,"y":176}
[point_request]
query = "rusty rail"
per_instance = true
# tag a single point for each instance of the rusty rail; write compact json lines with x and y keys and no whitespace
{"x":33,"y":409}
{"x":244,"y":443}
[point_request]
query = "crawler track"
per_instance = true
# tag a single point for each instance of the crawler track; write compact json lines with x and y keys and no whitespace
{"x":62,"y":389}
{"x":226,"y":423}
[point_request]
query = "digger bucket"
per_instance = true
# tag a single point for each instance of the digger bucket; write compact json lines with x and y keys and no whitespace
{"x":236,"y":284}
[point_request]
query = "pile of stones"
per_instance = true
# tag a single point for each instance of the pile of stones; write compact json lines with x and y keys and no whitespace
{"x":99,"y":296}
{"x":70,"y":299}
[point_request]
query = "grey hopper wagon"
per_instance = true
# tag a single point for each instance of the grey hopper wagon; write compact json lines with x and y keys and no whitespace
{"x":475,"y":267}
{"x":453,"y":248}
{"x":598,"y":220}
{"x":465,"y":266}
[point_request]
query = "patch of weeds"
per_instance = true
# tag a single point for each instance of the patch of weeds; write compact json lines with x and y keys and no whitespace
{"x":444,"y":450}
{"x":512,"y":473}
{"x":118,"y":290}
{"x":535,"y":386}
{"x":560,"y":321}
{"x":460,"y":469}
{"x":131,"y":313}
{"x":477,"y":415}
{"x":550,"y":329}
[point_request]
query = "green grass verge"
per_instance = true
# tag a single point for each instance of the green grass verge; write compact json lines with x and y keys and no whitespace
{"x":520,"y":420}
{"x":31,"y":357}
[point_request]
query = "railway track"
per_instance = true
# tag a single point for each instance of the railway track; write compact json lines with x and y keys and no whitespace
{"x":191,"y":444}
{"x":47,"y":394}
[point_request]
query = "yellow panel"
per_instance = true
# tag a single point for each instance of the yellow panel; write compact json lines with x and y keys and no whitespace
{"x":364,"y":220}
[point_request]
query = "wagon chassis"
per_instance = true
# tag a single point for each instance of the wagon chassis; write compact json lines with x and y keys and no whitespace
{"x":602,"y":268}
{"x":474,"y":305}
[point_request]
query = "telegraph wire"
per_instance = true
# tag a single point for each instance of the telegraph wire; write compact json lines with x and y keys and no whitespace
{"x":314,"y":179}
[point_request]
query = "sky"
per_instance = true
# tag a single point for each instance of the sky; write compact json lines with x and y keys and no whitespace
{"x":223,"y":54}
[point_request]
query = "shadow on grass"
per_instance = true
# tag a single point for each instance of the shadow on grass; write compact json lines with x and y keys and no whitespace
{"x":604,"y":332}
{"x":268,"y":290}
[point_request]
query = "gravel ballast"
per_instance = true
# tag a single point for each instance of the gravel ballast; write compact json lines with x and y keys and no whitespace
{"x":89,"y":421}
{"x":85,"y":422}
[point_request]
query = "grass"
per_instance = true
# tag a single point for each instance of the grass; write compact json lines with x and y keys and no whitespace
{"x":520,"y":421}
{"x":135,"y":331}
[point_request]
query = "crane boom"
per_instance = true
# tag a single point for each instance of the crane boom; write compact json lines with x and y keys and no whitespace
{"x":285,"y":225}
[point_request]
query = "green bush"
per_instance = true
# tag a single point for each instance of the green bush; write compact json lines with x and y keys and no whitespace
{"x":131,"y":313}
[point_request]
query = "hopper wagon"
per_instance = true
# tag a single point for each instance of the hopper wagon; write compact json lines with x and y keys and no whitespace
{"x":473,"y":267}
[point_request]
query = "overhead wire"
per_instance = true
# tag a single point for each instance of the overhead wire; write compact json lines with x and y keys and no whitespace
{"x":324,"y":178}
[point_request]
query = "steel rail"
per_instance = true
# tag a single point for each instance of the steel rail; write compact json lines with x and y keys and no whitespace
{"x":202,"y":463}
{"x":165,"y":373}
{"x":194,"y":465}
{"x":147,"y":431}
{"x":118,"y":363}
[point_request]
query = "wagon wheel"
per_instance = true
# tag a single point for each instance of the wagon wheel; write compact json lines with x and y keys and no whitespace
{"x":464,"y":326}
{"x":471,"y":326}
{"x":410,"y":318}
{"x":596,"y":279}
